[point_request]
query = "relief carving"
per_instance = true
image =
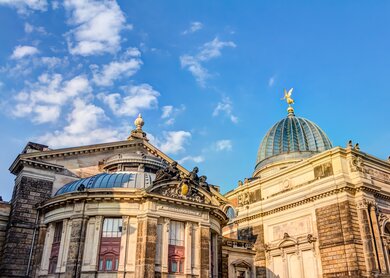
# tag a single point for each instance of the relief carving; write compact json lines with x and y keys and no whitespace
{"x":356,"y":164}
{"x":323,"y":170}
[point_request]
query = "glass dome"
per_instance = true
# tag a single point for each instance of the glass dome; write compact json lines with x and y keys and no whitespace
{"x":136,"y":180}
{"x":291,"y":138}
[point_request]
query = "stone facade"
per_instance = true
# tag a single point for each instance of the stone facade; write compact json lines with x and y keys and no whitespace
{"x":21,"y":232}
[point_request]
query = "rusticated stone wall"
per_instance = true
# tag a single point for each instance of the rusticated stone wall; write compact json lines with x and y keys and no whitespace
{"x":4,"y":217}
{"x":257,"y":238}
{"x":146,"y":248}
{"x":340,"y":241}
{"x":27,"y":193}
{"x":76,"y":247}
{"x":205,"y":251}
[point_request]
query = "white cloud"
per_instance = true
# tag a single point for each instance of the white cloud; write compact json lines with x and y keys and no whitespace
{"x":196,"y":69}
{"x":213,"y":49}
{"x":83,"y":128}
{"x":194,"y":26}
{"x":97,"y":26}
{"x":23,"y":6}
{"x":172,"y":142}
{"x":23,"y":50}
{"x":271,"y":81}
{"x":224,"y":145}
{"x":226,"y":107}
{"x":42,"y":101}
{"x":169,"y":113}
{"x":28,"y":28}
{"x":166,"y":111}
{"x":196,"y":159}
{"x":138,"y":97}
{"x":125,"y":67}
{"x":208,"y":51}
{"x":51,"y":62}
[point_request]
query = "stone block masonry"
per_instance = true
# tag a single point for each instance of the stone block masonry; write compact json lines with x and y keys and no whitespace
{"x":19,"y":238}
{"x":340,"y":241}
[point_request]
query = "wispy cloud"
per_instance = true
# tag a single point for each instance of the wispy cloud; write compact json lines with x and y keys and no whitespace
{"x":208,"y":51}
{"x":97,"y":26}
{"x":225,"y":107}
{"x":28,"y":28}
{"x":169,"y":113}
{"x":271,"y":81}
{"x":196,"y":159}
{"x":194,"y":26}
{"x":224,"y":145}
{"x":24,"y":6}
{"x":125,"y":67}
{"x":22,"y":51}
{"x":172,"y":142}
{"x":137,"y":97}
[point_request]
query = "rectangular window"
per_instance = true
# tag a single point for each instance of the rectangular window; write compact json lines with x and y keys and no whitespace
{"x":110,"y":244}
{"x":55,"y":247}
{"x":176,"y":247}
{"x":176,"y":233}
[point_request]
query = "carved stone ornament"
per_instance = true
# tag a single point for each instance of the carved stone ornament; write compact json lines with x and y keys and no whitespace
{"x":243,"y":199}
{"x":364,"y":204}
{"x":183,"y":190}
{"x":356,"y":164}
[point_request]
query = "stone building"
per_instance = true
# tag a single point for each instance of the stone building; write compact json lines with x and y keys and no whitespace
{"x":125,"y":209}
{"x":122,"y":209}
{"x":313,"y":210}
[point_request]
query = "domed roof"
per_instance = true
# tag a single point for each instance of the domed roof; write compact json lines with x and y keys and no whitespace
{"x":139,"y":180}
{"x":290,"y":139}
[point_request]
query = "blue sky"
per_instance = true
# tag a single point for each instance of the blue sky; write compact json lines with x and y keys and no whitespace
{"x":206,"y":76}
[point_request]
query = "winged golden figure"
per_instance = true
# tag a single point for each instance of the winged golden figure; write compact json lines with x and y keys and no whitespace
{"x":287,"y":96}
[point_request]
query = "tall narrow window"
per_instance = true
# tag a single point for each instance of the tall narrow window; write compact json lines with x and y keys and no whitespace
{"x":176,"y":247}
{"x":110,"y":244}
{"x":55,"y":247}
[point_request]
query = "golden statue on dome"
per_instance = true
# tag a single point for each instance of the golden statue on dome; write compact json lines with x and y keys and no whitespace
{"x":289,"y":100}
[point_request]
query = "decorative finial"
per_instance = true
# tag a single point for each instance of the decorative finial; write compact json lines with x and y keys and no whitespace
{"x":289,"y":100}
{"x":139,"y":122}
{"x":138,"y":133}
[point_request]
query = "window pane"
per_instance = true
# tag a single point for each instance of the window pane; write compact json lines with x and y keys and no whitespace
{"x":116,"y":264}
{"x":112,"y":227}
{"x":174,"y":267}
{"x":108,"y":264}
{"x":101,"y":264}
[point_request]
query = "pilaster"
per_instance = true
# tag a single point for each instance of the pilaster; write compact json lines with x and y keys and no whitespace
{"x":146,"y":247}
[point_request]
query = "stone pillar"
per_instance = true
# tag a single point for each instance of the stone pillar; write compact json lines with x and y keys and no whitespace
{"x":367,"y":239}
{"x":76,"y":247}
{"x":131,"y":245}
{"x":28,"y":192}
{"x":378,"y":240}
{"x":38,"y":254}
{"x":188,"y":249}
{"x":205,"y":251}
{"x":61,"y":254}
{"x":164,"y":247}
{"x":219,"y":255}
{"x":66,"y":240}
{"x":146,"y":247}
{"x":91,"y":246}
{"x":44,"y":268}
{"x":196,"y":250}
{"x":123,"y":247}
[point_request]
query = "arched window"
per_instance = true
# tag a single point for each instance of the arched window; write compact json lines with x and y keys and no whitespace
{"x":231,"y":214}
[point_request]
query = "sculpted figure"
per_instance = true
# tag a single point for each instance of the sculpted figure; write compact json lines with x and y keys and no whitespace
{"x":170,"y":172}
{"x":203,"y":183}
{"x":194,"y":175}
